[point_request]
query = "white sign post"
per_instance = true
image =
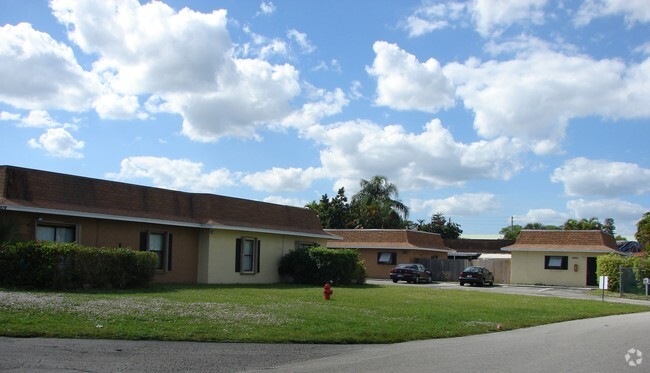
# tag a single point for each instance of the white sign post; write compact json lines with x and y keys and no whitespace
{"x":646,"y":282}
{"x":603,"y":283}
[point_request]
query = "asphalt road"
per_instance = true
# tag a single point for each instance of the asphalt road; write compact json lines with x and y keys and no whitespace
{"x":593,"y":345}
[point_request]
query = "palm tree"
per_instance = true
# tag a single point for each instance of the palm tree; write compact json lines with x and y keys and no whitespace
{"x":377,"y":206}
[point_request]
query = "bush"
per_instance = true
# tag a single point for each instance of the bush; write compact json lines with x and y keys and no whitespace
{"x":319,"y":265}
{"x":609,"y":265}
{"x":51,"y":265}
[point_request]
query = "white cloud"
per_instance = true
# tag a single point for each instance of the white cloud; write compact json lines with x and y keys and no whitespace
{"x":5,"y":115}
{"x":492,"y":16}
{"x":301,"y":39}
{"x":58,"y":142}
{"x":278,"y":200}
{"x":266,"y":8}
{"x":37,"y":72}
{"x":411,"y":160}
{"x":282,"y":179}
{"x":431,"y":17}
{"x":325,"y":104}
{"x":543,"y":216}
{"x":403,"y":83}
{"x":624,"y":213}
{"x":489,"y":17}
{"x":467,"y":204}
{"x":177,"y":174}
{"x":185,"y":60}
{"x":38,"y":119}
{"x":533,"y":96}
{"x":582,"y":176}
{"x":633,"y":10}
{"x":113,"y":106}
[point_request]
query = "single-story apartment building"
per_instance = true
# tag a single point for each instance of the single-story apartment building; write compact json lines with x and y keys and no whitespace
{"x":558,"y":257}
{"x":382,"y":249}
{"x":198,"y":237}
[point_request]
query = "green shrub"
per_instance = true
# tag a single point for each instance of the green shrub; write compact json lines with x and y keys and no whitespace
{"x":50,"y":265}
{"x":319,"y":265}
{"x":609,"y":265}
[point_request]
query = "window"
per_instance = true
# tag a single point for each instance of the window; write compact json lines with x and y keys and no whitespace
{"x":159,"y":243}
{"x":56,"y":233}
{"x":305,"y":245}
{"x":556,"y":262}
{"x":247,"y":255}
{"x":386,"y":258}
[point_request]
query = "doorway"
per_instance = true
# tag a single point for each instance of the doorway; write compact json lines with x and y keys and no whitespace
{"x":592,"y":278}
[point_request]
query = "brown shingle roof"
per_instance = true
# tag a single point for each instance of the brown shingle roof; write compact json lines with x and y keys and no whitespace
{"x":561,"y":240}
{"x":34,"y":189}
{"x":386,"y":238}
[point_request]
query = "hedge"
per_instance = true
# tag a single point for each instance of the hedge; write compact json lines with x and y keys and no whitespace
{"x":319,"y":265}
{"x":50,"y":265}
{"x":609,"y":265}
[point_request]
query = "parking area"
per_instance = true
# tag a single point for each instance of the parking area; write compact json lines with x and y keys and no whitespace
{"x":535,"y":290}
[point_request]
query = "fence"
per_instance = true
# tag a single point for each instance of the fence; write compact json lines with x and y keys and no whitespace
{"x":445,"y":269}
{"x":450,"y":269}
{"x":500,"y":268}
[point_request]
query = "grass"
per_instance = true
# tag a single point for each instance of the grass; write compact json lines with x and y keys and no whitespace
{"x":284,"y":313}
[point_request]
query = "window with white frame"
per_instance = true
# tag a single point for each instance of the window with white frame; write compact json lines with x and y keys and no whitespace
{"x":556,"y":262}
{"x":159,"y":243}
{"x":247,"y":255}
{"x":56,"y":232}
{"x":386,"y":258}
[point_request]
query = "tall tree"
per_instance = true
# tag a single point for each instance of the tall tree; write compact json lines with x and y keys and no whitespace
{"x":439,"y":224}
{"x":333,"y":213}
{"x":511,"y":232}
{"x":376,"y":204}
{"x":643,"y":231}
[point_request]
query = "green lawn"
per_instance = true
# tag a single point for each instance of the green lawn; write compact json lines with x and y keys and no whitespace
{"x":284,"y":313}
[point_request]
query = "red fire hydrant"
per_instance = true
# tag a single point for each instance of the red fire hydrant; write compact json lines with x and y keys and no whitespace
{"x":327,"y":291}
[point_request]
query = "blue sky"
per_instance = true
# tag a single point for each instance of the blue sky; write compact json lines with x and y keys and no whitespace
{"x":485,"y":110}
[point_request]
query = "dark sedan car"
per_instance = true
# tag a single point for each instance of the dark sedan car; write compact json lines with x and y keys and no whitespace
{"x":410,"y":272}
{"x":476,"y":276}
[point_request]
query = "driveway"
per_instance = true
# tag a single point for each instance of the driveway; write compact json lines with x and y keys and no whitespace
{"x":535,"y":290}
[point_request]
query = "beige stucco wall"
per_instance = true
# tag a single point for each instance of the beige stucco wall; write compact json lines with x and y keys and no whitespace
{"x":217,"y":257}
{"x":528,"y":268}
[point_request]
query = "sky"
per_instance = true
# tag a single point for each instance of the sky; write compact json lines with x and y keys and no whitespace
{"x":491,"y":112}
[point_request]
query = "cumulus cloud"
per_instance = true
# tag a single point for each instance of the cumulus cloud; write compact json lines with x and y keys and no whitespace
{"x":634,"y":11}
{"x":38,"y":119}
{"x":278,"y":200}
{"x":403,"y":83}
{"x":266,"y":8}
{"x":58,"y":142}
{"x":489,"y":17}
{"x":431,"y":158}
{"x":185,"y":59}
{"x":467,"y":204}
{"x":582,"y":176}
{"x":37,"y":72}
{"x":492,"y":16}
{"x":282,"y":179}
{"x":176,"y":174}
{"x":323,"y":104}
{"x":431,"y":17}
{"x":543,"y":216}
{"x":533,"y":96}
{"x":624,"y":213}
